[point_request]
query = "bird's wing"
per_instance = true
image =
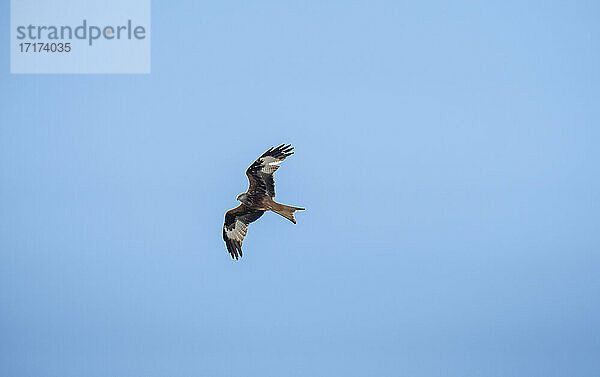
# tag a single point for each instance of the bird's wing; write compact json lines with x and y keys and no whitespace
{"x":260,"y":173}
{"x":236,"y":227}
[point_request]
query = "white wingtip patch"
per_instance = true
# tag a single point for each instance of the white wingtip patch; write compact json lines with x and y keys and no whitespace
{"x":238,"y":232}
{"x":275,"y":162}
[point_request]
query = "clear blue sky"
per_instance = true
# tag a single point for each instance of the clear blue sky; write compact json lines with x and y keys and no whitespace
{"x":447,"y":156}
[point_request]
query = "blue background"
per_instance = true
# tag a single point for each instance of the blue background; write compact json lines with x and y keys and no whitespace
{"x":447,"y":156}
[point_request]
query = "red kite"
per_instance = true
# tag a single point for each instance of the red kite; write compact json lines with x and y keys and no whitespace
{"x":258,"y":199}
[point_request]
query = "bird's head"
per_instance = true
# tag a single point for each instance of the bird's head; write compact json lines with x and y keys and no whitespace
{"x":242,"y":197}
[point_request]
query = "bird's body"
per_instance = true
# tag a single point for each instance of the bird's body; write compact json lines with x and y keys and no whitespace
{"x":257,"y":199}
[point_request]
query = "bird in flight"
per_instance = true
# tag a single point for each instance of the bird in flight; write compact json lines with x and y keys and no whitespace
{"x":258,"y":199}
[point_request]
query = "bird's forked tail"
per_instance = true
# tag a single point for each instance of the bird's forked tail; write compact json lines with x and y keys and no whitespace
{"x":286,"y":211}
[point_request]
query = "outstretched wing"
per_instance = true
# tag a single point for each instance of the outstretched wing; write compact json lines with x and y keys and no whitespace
{"x":260,"y":173}
{"x":236,"y":227}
